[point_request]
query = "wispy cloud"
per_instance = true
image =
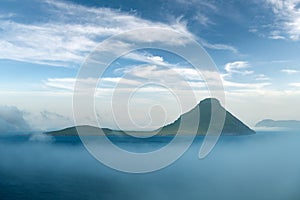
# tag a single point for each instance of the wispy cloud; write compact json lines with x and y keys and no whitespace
{"x":290,"y":71}
{"x":244,"y":86}
{"x":147,"y":58}
{"x":262,"y":77}
{"x":136,"y":76}
{"x":12,"y":119}
{"x":219,"y":46}
{"x":50,"y":115}
{"x":287,"y":22}
{"x":60,"y":83}
{"x":199,"y":10}
{"x":70,"y":33}
{"x":178,"y":78}
{"x":7,"y":15}
{"x":294,"y":84}
{"x":238,"y":67}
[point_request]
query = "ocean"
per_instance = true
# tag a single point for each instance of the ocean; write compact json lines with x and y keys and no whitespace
{"x":264,"y":166}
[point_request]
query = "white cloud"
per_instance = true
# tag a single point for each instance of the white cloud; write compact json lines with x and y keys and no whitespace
{"x":202,"y":19}
{"x":287,"y":23}
{"x":276,"y":35}
{"x":156,"y":58}
{"x":175,"y":77}
{"x":244,"y":86}
{"x":71,"y":32}
{"x":262,"y":77}
{"x":253,"y":82}
{"x":68,"y":84}
{"x":46,"y":120}
{"x":218,"y":46}
{"x":290,"y":71}
{"x":12,"y":120}
{"x":231,"y":67}
{"x":159,"y":64}
{"x":60,"y":83}
{"x":294,"y":84}
{"x":200,"y":4}
{"x":238,"y":67}
{"x":199,"y":10}
{"x":147,"y":58}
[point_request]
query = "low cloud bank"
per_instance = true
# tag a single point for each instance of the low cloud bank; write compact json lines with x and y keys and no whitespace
{"x":12,"y":120}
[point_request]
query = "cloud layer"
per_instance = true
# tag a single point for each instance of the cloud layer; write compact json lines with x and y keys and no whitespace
{"x":287,"y":19}
{"x":65,"y":39}
{"x":12,"y":120}
{"x":67,"y":32}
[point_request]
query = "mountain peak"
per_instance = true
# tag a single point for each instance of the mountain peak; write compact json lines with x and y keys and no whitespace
{"x":210,"y":100}
{"x":232,"y":125}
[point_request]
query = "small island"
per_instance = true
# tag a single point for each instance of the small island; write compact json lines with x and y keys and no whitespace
{"x":285,"y":124}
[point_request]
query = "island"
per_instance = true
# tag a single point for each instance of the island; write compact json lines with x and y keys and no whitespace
{"x":286,"y":124}
{"x":232,"y":125}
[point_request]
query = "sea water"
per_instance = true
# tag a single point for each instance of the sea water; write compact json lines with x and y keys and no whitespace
{"x":261,"y":166}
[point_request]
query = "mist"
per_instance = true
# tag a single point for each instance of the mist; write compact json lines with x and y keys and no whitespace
{"x":261,"y":166}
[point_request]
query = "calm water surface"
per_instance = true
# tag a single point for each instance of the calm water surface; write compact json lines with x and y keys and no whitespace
{"x":261,"y":166}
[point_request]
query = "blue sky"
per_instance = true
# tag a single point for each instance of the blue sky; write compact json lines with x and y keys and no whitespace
{"x":255,"y":46}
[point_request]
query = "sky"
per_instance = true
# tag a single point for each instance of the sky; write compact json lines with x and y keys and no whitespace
{"x":43,"y":45}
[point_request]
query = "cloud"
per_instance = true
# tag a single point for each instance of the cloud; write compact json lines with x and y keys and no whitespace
{"x":218,"y":46}
{"x":176,"y":76}
{"x":262,"y":77}
{"x":238,"y":67}
{"x":147,"y":58}
{"x":195,"y":3}
{"x":60,"y":83}
{"x":276,"y":35}
{"x":47,"y":115}
{"x":47,"y":120}
{"x":287,"y":21}
{"x":290,"y":71}
{"x":202,"y":19}
{"x":43,"y":120}
{"x":7,"y":15}
{"x":135,"y":75}
{"x":294,"y":85}
{"x":250,"y":82}
{"x":70,"y":32}
{"x":12,"y":120}
{"x":68,"y":84}
{"x":243,"y":87}
{"x":170,"y":75}
{"x":199,"y":10}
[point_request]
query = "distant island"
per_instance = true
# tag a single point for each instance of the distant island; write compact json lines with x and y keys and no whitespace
{"x":288,"y":124}
{"x":232,"y":125}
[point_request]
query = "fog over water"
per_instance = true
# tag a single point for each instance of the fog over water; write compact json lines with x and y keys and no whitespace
{"x":261,"y":166}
